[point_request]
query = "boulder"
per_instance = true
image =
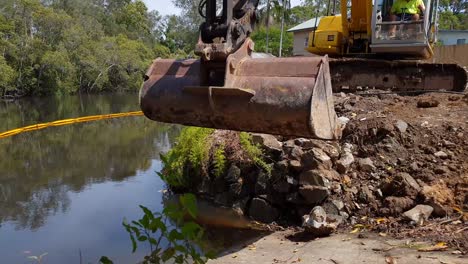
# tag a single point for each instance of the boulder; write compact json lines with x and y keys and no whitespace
{"x":441,"y":155}
{"x":366,"y":165}
{"x":401,"y":126}
{"x":397,"y":205}
{"x":233,"y":174}
{"x":402,"y":185}
{"x":261,"y":186}
{"x":295,"y":165}
{"x":261,"y":210}
{"x":269,"y":142}
{"x":316,"y":223}
{"x":419,"y":214}
{"x":313,"y":194}
{"x":343,"y":164}
{"x":316,"y":159}
{"x":427,"y":102}
{"x":313,"y":177}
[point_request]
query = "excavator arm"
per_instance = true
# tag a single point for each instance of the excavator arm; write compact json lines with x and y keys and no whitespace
{"x":231,"y":87}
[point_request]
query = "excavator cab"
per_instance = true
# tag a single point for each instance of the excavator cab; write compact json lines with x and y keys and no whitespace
{"x":402,"y":34}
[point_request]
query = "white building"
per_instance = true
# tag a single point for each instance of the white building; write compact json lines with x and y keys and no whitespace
{"x":453,"y":37}
{"x":301,"y":36}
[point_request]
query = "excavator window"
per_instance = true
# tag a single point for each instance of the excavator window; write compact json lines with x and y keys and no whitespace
{"x":401,"y":26}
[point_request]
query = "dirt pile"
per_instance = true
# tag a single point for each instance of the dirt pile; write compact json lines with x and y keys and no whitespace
{"x":400,"y":169}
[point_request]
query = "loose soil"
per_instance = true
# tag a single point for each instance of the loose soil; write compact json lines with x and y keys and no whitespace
{"x":433,"y":150}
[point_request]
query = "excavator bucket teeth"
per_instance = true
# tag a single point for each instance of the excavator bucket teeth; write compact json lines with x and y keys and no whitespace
{"x":284,"y":96}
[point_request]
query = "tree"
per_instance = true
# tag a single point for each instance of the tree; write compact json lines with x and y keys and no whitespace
{"x":452,"y":14}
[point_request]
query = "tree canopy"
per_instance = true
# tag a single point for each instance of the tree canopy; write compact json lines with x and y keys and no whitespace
{"x":73,"y":46}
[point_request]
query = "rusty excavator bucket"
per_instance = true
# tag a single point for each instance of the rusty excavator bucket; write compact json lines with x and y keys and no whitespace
{"x":230,"y":89}
{"x":284,"y":96}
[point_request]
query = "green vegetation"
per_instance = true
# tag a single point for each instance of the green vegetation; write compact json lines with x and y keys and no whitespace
{"x":60,"y":46}
{"x":259,"y":36}
{"x":191,"y":148}
{"x":254,"y":151}
{"x":219,"y":161}
{"x":168,"y":243}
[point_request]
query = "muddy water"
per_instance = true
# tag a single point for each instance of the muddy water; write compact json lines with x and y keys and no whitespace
{"x":65,"y":190}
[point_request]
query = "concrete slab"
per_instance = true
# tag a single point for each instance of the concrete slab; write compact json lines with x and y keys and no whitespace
{"x":337,"y":249}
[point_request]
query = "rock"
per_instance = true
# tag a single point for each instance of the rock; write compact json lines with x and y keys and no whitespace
{"x":295,"y":165}
{"x":222,"y":199}
{"x":343,"y":120}
{"x":313,"y":194}
{"x":291,"y":181}
{"x":402,"y":185}
{"x":235,"y":189}
{"x":296,"y":153}
{"x":316,"y":159}
{"x":269,"y":142}
{"x":316,"y":223}
{"x":205,"y":186}
{"x":441,"y":154}
{"x":401,"y":125}
{"x":233,"y":174}
{"x":365,"y":195}
{"x":344,"y":162}
{"x":398,"y":205}
{"x":261,"y":210}
{"x":441,"y":170}
{"x":366,"y":165}
{"x":331,"y":208}
{"x":419,"y":214}
{"x":414,"y":166}
{"x":313,"y":177}
{"x":282,"y":186}
{"x":332,"y":151}
{"x":440,"y":197}
{"x":295,"y":198}
{"x":262,"y":183}
{"x":302,"y":142}
{"x":427,"y":102}
{"x":347,"y":147}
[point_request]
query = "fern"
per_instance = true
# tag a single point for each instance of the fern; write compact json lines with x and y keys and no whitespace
{"x":254,"y":152}
{"x":219,"y":160}
{"x":191,"y":148}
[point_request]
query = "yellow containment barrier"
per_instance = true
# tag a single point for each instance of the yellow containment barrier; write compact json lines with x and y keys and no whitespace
{"x":67,"y":122}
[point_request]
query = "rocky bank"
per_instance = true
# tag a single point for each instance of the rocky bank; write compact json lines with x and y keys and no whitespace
{"x":401,"y":169}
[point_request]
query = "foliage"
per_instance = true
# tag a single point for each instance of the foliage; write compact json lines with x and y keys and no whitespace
{"x":191,"y":148}
{"x":219,"y":160}
{"x":167,"y":243}
{"x":453,"y":14}
{"x":259,"y":36}
{"x":254,"y":151}
{"x":58,"y":47}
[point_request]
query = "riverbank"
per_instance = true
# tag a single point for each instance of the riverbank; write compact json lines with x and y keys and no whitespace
{"x":399,"y":171}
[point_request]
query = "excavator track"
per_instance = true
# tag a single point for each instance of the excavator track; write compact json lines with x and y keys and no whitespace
{"x":349,"y":74}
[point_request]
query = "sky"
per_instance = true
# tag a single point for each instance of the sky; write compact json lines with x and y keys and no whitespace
{"x":165,"y":7}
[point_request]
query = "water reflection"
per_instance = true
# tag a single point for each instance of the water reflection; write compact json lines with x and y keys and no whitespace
{"x":77,"y":181}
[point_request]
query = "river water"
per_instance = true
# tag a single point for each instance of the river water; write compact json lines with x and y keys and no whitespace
{"x":65,"y":190}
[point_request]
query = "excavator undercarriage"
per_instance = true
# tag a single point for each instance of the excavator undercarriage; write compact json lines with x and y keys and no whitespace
{"x":231,"y":87}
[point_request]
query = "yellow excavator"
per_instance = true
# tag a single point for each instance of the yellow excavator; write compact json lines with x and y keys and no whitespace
{"x":387,"y":52}
{"x":232,"y":87}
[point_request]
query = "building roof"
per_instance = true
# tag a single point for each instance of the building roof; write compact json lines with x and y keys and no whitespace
{"x":309,"y":24}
